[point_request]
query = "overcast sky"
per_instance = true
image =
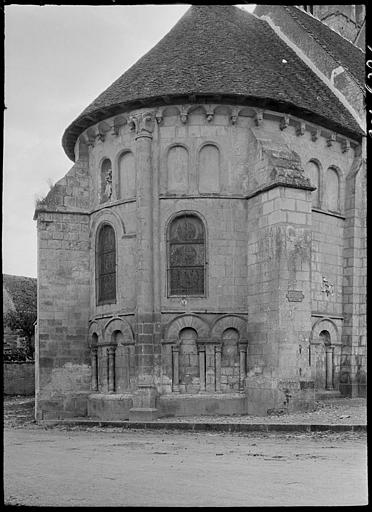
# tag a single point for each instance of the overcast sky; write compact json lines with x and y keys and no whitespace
{"x":58,"y":59}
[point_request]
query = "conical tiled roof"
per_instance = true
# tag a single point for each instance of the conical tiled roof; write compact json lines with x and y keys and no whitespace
{"x":220,"y":50}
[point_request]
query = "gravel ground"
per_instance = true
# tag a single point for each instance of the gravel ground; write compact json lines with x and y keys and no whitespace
{"x":60,"y":467}
{"x":340,"y":411}
{"x":19,"y":413}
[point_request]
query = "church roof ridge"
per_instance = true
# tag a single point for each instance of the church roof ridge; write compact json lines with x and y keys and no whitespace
{"x":225,"y":51}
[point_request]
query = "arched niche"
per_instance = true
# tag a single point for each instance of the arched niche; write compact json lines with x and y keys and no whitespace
{"x":196,"y":115}
{"x":209,"y":169}
{"x":222,"y":115}
{"x":169,"y":115}
{"x":172,"y":330}
{"x":230,"y":354}
{"x":106,"y":180}
{"x":312,"y":171}
{"x":332,"y":190}
{"x":223,"y":110}
{"x":178,"y":169}
{"x":229,"y":322}
{"x":115,"y":326}
{"x":325,"y":338}
{"x":127,"y":175}
{"x":94,"y":334}
{"x":188,"y":356}
{"x":325,"y":324}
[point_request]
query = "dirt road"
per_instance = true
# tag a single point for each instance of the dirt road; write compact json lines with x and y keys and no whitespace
{"x":153,"y":468}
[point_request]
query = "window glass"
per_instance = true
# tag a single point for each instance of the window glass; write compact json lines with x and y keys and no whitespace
{"x":186,"y":264}
{"x":106,"y":265}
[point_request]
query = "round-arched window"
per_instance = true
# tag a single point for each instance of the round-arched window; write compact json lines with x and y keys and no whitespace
{"x":186,"y":256}
{"x":313,"y":172}
{"x":332,"y":190}
{"x":106,"y":265}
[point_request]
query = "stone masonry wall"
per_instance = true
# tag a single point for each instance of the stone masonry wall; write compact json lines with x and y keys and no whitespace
{"x":63,"y":284}
{"x":19,"y":378}
{"x":279,"y":246}
{"x":354,"y":340}
{"x":327,"y":262}
{"x":258,"y":255}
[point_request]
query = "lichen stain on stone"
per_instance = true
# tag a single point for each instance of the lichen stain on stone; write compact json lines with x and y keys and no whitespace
{"x":279,"y":243}
{"x":298,"y":248}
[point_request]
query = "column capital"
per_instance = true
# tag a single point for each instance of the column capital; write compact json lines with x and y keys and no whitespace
{"x":111,"y":350}
{"x":143,"y":124}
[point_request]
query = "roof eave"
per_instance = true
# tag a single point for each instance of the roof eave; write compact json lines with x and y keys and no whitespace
{"x":83,"y":122}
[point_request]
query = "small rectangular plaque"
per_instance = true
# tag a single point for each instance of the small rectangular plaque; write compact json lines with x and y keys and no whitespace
{"x":295,"y":296}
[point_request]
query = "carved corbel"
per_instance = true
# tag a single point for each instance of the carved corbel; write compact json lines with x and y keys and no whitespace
{"x":132,"y":122}
{"x":184,"y":114}
{"x":159,"y":115}
{"x":284,"y":122}
{"x":209,"y":112}
{"x":234,"y":115}
{"x":147,"y":121}
{"x":315,"y":134}
{"x":345,"y":145}
{"x":331,"y":139}
{"x":115,"y":130}
{"x":301,"y":129}
{"x":258,"y":118}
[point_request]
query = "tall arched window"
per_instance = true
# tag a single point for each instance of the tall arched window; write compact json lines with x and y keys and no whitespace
{"x":127,"y":176}
{"x":106,"y":265}
{"x":209,"y":169}
{"x":312,"y":171}
{"x":178,"y":169}
{"x":186,"y":256}
{"x":332,"y":190}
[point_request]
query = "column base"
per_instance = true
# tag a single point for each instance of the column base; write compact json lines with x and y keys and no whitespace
{"x":143,"y":414}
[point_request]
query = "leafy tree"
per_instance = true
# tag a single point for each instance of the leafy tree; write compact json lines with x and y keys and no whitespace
{"x":23,"y":292}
